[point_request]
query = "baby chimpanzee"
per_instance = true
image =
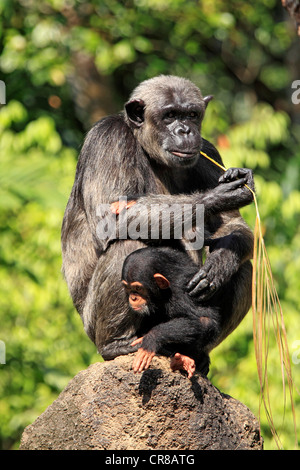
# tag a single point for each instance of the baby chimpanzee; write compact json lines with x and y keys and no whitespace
{"x":173,"y":323}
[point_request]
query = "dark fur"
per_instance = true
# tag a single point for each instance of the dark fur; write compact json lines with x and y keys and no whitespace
{"x":117,"y":160}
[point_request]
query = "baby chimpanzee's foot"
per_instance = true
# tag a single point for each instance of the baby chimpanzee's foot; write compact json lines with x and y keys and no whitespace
{"x":181,"y":362}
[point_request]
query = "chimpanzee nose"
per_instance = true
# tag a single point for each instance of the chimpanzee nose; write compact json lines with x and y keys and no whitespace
{"x":182,"y":129}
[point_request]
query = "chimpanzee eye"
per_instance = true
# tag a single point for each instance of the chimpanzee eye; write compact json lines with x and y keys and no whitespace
{"x":193,"y":114}
{"x":169,"y":115}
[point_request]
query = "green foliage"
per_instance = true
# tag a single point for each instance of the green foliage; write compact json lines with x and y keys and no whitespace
{"x":243,"y":54}
{"x":233,"y":370}
{"x":45,"y":344}
{"x":249,"y":144}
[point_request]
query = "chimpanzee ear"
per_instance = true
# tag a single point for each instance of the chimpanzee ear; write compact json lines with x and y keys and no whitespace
{"x":207,"y":99}
{"x":161,"y":281}
{"x":135,"y":112}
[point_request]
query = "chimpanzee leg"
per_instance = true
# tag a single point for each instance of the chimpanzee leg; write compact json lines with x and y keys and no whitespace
{"x":228,"y":306}
{"x":234,"y":302}
{"x":107,"y":319}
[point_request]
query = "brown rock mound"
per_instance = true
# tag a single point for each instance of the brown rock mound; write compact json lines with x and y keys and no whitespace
{"x":107,"y":406}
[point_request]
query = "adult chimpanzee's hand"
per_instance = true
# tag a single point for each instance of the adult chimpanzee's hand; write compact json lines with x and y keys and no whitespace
{"x":233,"y":174}
{"x":231,"y":193}
{"x":242,"y":182}
{"x":218,"y":268}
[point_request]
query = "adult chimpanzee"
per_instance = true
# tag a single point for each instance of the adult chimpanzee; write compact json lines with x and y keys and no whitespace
{"x":151,"y":151}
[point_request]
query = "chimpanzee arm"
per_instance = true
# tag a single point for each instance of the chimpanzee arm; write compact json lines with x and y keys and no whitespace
{"x":230,"y":194}
{"x":183,"y":330}
{"x":149,"y":212}
{"x":230,"y":246}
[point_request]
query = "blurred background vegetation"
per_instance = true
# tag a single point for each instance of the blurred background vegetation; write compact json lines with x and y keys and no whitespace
{"x":67,"y":63}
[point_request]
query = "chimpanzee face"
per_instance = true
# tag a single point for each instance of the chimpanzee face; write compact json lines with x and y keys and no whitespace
{"x":168,"y":124}
{"x":137,"y":296}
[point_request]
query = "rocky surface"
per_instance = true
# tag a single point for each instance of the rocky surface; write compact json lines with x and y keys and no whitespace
{"x":109,"y":407}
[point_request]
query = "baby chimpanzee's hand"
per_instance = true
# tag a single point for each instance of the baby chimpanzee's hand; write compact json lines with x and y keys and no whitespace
{"x":142,"y":358}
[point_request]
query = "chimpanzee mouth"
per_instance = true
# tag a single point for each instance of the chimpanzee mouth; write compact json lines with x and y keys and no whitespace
{"x":136,"y":309}
{"x":183,"y":154}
